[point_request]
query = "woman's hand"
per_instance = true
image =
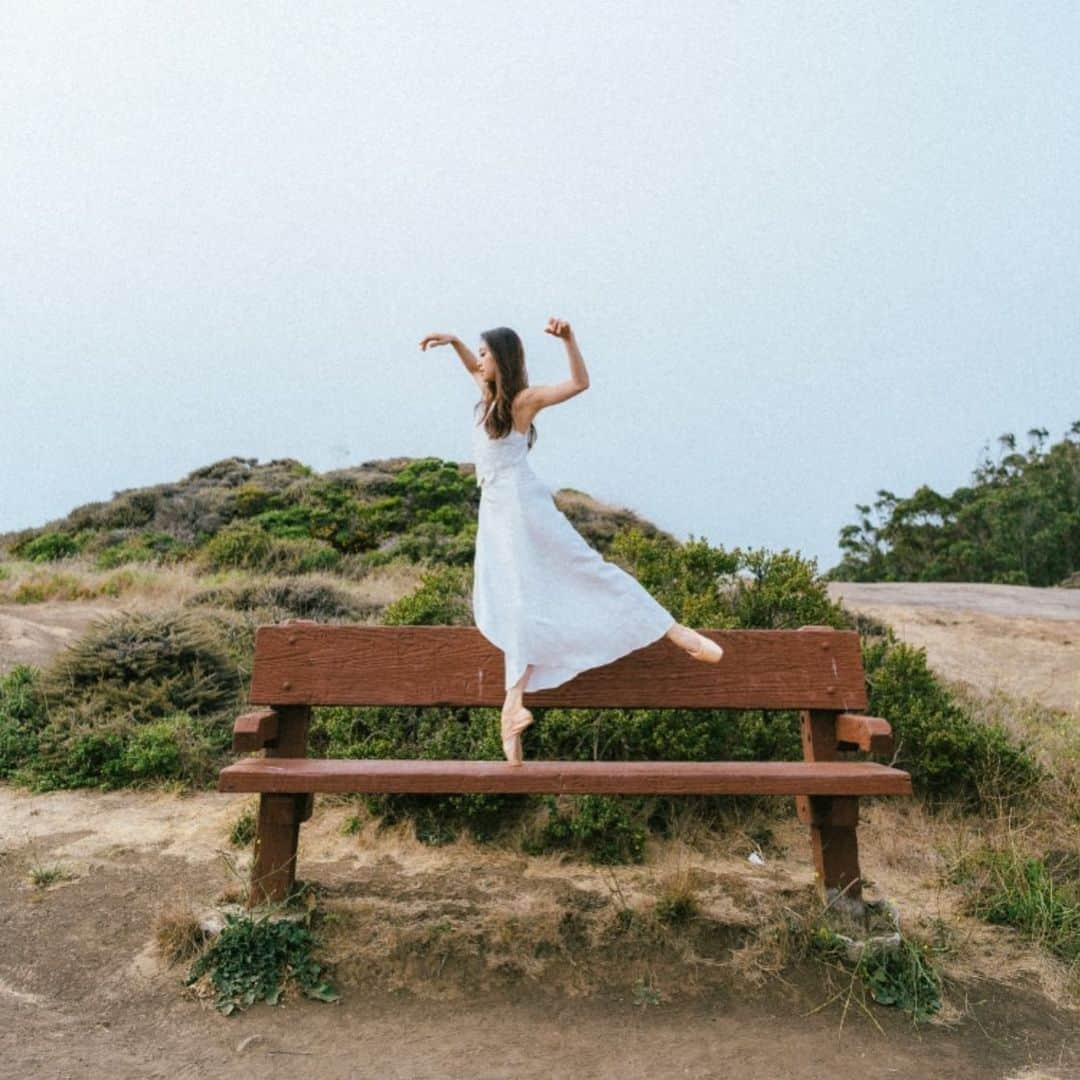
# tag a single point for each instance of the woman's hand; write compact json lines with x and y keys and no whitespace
{"x":559,"y":328}
{"x":437,"y":339}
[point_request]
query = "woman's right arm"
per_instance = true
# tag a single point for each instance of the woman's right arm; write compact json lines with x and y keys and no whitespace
{"x":471,"y":364}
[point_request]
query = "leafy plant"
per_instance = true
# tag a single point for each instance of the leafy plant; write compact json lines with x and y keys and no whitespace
{"x":256,"y":959}
{"x":600,"y":826}
{"x":903,"y":975}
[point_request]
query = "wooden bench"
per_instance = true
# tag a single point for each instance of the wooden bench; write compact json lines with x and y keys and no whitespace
{"x":817,"y":670}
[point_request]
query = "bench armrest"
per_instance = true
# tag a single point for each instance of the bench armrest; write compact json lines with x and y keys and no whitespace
{"x":255,"y":730}
{"x":868,"y":733}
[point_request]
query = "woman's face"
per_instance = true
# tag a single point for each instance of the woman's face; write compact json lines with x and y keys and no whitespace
{"x":487,"y":361}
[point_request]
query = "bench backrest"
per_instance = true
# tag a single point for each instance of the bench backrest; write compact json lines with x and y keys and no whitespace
{"x":306,"y":663}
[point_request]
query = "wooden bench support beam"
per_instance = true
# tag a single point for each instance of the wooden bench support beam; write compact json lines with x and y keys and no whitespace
{"x":836,"y":847}
{"x":832,"y":819}
{"x":273,"y":869}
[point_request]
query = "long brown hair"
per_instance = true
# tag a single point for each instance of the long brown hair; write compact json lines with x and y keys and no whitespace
{"x":511,"y":376}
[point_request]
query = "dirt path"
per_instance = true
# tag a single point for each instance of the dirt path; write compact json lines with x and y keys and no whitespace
{"x":35,"y":633}
{"x":1023,"y":641}
{"x":82,"y":992}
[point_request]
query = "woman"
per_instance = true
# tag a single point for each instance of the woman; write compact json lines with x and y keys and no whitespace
{"x":541,"y":593}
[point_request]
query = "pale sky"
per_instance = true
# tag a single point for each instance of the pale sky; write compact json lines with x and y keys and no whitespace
{"x":809,"y":250}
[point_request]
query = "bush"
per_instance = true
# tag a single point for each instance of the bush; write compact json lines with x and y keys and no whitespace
{"x":441,"y":598}
{"x":47,"y":547}
{"x":22,"y":717}
{"x":952,"y":757}
{"x":138,"y":698}
{"x":602,"y":827}
{"x":285,"y":598}
{"x":256,"y":959}
{"x":239,"y":545}
{"x":154,"y":547}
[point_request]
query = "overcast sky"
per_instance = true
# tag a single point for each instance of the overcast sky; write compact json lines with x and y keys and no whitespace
{"x":809,"y":250}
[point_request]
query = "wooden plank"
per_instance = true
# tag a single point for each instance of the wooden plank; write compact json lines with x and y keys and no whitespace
{"x":254,"y":730}
{"x":559,"y":777}
{"x":320,"y":664}
{"x":871,"y":734}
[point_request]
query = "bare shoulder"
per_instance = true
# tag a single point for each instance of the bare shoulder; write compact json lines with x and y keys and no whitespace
{"x":524,"y":406}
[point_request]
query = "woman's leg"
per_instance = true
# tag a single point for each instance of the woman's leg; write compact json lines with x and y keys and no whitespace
{"x":515,"y":718}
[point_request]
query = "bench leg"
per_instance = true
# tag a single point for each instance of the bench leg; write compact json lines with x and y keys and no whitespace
{"x":832,"y":821}
{"x":273,"y":870}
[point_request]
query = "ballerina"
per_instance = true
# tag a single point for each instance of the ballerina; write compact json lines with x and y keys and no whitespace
{"x":541,"y":593}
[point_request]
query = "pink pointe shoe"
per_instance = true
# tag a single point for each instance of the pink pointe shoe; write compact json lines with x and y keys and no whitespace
{"x":706,"y":649}
{"x":511,"y":734}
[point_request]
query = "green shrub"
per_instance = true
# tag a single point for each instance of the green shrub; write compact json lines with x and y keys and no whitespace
{"x":144,"y":547}
{"x":22,"y":717}
{"x":441,"y":598}
{"x":239,"y":545}
{"x":139,"y":697}
{"x":174,"y":748}
{"x":47,"y":547}
{"x":256,"y":959}
{"x":952,"y":757}
{"x":601,"y":827}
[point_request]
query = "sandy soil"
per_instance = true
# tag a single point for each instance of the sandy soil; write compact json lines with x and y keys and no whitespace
{"x":34,"y":633}
{"x":83,"y":992}
{"x":1023,"y":641}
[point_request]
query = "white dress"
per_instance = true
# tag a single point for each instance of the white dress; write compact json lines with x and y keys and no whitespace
{"x":540,"y":593}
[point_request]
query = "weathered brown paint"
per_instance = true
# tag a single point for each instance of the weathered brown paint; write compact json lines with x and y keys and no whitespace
{"x":320,"y":664}
{"x":563,"y":777}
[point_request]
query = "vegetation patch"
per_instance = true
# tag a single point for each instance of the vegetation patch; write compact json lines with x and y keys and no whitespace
{"x":1015,"y":524}
{"x":259,"y":958}
{"x":1037,"y":896}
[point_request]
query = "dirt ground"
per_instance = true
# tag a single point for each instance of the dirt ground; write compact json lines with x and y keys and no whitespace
{"x":1014,"y":638}
{"x":84,"y":994}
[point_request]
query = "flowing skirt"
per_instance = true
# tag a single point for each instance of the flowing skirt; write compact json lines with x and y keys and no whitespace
{"x":543,"y":596}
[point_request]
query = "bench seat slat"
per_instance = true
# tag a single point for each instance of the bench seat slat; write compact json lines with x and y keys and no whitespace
{"x":562,"y":777}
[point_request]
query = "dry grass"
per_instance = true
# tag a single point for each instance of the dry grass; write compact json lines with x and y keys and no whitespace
{"x":148,"y":587}
{"x":177,"y":933}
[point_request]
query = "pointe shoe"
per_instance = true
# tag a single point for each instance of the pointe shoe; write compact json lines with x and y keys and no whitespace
{"x":706,"y":649}
{"x":511,"y":734}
